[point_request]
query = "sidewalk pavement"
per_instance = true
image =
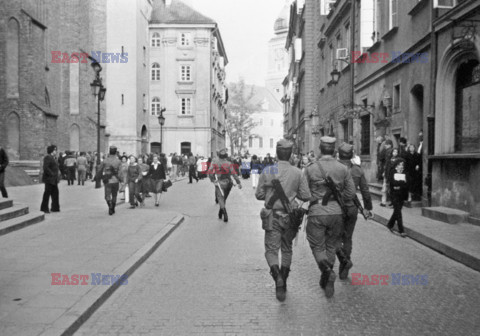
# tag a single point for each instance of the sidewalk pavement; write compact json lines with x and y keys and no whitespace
{"x":82,"y":239}
{"x":457,"y":241}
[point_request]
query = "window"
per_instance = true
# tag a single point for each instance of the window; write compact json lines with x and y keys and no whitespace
{"x":155,"y":106}
{"x":155,"y":72}
{"x":250,"y":142}
{"x":185,"y":39}
{"x":186,"y":108}
{"x":467,"y":116}
{"x":12,"y":57}
{"x":156,"y":40}
{"x":271,"y":143}
{"x":393,"y":14}
{"x":396,"y":99}
{"x":348,"y":37}
{"x":444,"y":3}
{"x":332,"y":58}
{"x":326,"y":6}
{"x":377,"y":19}
{"x":365,"y":136}
{"x":122,"y":100}
{"x":185,"y":73}
{"x":74,"y":85}
{"x":260,"y":142}
{"x":344,"y":125}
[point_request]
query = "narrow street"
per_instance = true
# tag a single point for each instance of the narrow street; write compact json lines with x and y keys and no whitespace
{"x":210,"y":277}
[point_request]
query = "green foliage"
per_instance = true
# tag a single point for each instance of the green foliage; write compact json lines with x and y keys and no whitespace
{"x":239,"y":114}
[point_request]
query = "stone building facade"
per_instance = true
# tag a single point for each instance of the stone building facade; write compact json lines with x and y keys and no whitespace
{"x":45,"y":101}
{"x":187,"y":78}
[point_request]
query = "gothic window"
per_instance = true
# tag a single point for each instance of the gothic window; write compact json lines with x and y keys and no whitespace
{"x":12,"y":57}
{"x":74,"y":85}
{"x":467,"y":103}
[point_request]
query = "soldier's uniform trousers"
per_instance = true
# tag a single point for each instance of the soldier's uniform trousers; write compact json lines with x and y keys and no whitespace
{"x":226,"y":187}
{"x":324,"y":233}
{"x":280,"y":237}
{"x":346,"y":240}
{"x":111,"y":191}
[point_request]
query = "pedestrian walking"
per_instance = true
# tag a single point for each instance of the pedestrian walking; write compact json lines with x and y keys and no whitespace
{"x":325,"y":216}
{"x":344,"y":252}
{"x":51,"y":177}
{"x":256,"y":169}
{"x":82,"y":164}
{"x":192,"y":168}
{"x":144,"y":183}
{"x":414,"y":172}
{"x":221,"y":173}
{"x":3,"y":166}
{"x":109,"y":171}
{"x":385,"y":156}
{"x":398,"y":181}
{"x":157,"y":175}
{"x":70,"y":164}
{"x":123,"y":178}
{"x":134,"y":176}
{"x":279,"y":228}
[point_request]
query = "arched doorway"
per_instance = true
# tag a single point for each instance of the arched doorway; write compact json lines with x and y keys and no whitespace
{"x":415,"y":117}
{"x":144,"y":135}
{"x":13,"y":136}
{"x":185,"y":148}
{"x":74,"y":138}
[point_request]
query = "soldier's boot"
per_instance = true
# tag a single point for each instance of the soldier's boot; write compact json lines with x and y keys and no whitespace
{"x":114,"y":203}
{"x":225,"y":215}
{"x":220,"y":213}
{"x":109,"y":208}
{"x":345,"y":265}
{"x":327,"y":279}
{"x":285,"y":271}
{"x":279,"y":283}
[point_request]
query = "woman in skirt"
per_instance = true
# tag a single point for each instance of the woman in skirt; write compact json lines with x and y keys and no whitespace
{"x":157,"y":175}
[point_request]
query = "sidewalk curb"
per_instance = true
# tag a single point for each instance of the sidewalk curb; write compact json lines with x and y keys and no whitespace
{"x":459,"y":256}
{"x":74,"y":317}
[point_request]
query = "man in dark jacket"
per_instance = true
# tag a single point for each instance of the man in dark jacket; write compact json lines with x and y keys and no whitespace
{"x":192,"y":168}
{"x":3,"y":166}
{"x":345,"y":153}
{"x":51,"y":179}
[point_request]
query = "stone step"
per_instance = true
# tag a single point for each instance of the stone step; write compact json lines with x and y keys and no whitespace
{"x":375,"y":186}
{"x":21,"y":222}
{"x":13,"y":212}
{"x":376,"y":194}
{"x":447,"y":215}
{"x":5,"y":203}
{"x":413,"y":204}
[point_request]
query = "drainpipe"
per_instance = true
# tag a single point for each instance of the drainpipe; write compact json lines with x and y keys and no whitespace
{"x":352,"y":68}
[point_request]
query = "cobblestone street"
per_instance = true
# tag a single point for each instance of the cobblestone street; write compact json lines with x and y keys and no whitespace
{"x":210,"y":277}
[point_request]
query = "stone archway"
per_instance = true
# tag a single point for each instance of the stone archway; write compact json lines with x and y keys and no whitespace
{"x":13,"y":136}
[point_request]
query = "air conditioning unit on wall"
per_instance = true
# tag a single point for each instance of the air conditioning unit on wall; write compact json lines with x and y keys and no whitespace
{"x":342,"y":53}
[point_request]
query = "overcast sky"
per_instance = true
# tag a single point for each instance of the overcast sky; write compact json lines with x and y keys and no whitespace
{"x":246,"y":27}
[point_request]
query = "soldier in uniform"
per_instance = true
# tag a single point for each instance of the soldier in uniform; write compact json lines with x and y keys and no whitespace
{"x":325,"y":216}
{"x":345,"y":154}
{"x":109,"y":171}
{"x":221,"y":172}
{"x":279,"y":231}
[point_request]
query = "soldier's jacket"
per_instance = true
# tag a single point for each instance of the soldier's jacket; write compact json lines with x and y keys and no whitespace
{"x":111,"y":166}
{"x":223,"y":169}
{"x":360,"y":182}
{"x":293,"y":183}
{"x":339,"y":174}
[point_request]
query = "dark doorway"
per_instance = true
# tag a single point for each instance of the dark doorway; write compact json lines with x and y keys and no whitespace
{"x":155,"y":147}
{"x":185,"y":148}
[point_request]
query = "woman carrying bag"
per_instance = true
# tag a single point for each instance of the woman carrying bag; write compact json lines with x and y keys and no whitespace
{"x":157,"y":176}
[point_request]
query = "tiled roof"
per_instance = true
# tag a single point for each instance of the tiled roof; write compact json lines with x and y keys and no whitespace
{"x":179,"y":13}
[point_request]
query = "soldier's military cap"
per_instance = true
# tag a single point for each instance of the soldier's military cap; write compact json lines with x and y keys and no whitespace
{"x":284,"y":144}
{"x":223,"y":151}
{"x":345,"y":151}
{"x":113,"y":147}
{"x":328,"y":140}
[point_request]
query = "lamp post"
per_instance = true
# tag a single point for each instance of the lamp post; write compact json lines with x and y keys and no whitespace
{"x":161,"y":121}
{"x":98,"y":90}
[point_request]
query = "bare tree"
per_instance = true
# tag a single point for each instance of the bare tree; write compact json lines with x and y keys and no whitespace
{"x":239,"y":114}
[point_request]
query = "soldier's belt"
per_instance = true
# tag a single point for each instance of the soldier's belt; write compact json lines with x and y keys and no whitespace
{"x":324,"y":200}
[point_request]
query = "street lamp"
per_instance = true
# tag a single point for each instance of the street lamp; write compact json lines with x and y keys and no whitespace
{"x":161,"y":121}
{"x":335,"y":76}
{"x":98,"y":90}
